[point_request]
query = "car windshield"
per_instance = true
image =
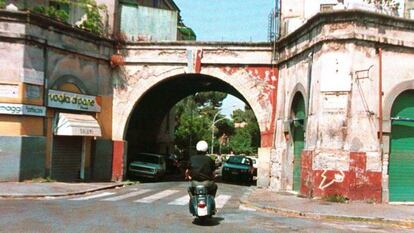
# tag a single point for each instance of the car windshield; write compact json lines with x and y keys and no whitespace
{"x":148,"y":158}
{"x":239,"y":160}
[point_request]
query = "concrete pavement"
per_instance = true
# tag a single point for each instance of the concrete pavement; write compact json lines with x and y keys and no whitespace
{"x":282,"y":203}
{"x":292,"y":205}
{"x":50,"y":189}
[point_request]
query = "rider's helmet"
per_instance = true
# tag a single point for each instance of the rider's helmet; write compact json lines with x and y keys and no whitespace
{"x":202,"y":146}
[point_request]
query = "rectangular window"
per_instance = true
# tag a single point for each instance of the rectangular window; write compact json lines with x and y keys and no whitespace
{"x":327,"y":7}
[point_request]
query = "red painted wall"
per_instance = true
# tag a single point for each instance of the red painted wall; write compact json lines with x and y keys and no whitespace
{"x":118,"y":161}
{"x":355,"y":184}
{"x":269,"y":95}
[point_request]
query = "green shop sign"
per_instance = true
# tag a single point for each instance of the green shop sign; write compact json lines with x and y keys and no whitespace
{"x":22,"y":109}
{"x":73,"y":101}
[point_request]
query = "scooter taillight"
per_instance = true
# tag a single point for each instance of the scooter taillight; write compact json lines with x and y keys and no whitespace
{"x":201,"y":204}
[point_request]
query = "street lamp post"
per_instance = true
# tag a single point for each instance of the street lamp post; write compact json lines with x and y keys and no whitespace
{"x":212,"y":131}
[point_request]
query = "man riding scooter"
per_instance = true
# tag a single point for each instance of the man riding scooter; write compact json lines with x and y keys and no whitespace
{"x":201,"y":170}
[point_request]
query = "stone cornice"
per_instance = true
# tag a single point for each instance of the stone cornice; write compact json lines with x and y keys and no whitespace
{"x":346,"y":25}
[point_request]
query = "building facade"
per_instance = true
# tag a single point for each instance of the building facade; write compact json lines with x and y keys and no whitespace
{"x":344,"y":108}
{"x":56,"y":91}
{"x":334,"y":106}
{"x":56,"y":98}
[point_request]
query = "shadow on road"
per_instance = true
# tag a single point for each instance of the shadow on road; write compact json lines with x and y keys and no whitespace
{"x":214,"y":221}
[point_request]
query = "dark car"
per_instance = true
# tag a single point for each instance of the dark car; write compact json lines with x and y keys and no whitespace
{"x":238,"y":168}
{"x":148,"y":165}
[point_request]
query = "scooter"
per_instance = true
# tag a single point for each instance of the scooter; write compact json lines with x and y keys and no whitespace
{"x":202,"y":205}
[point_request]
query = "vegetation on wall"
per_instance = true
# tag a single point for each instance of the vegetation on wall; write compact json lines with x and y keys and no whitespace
{"x":385,"y":4}
{"x":52,"y":12}
{"x":92,"y":21}
{"x":2,"y":3}
{"x":186,"y":33}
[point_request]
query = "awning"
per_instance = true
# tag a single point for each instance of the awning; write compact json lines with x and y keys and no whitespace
{"x":77,"y":125}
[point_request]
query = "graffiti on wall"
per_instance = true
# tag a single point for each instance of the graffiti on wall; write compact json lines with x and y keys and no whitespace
{"x":338,"y":177}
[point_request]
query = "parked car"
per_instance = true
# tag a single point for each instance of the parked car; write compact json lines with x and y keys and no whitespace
{"x":254,"y":159}
{"x":148,"y":165}
{"x":238,"y":168}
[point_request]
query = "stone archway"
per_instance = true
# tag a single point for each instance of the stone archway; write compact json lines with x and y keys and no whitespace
{"x":256,"y":85}
{"x":125,"y":100}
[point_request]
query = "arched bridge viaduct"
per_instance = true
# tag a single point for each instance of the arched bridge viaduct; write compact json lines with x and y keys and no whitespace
{"x":158,"y":75}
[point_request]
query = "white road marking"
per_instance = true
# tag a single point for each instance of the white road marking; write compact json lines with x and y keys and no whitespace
{"x":180,"y":201}
{"x":156,"y":196}
{"x":221,"y":201}
{"x":245,"y":208}
{"x":104,"y":194}
{"x":128,"y":195}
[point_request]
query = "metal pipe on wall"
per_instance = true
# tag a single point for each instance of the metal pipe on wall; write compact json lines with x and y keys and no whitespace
{"x":380,"y":115}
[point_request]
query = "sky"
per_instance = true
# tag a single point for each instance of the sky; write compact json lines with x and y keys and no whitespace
{"x":227,"y":20}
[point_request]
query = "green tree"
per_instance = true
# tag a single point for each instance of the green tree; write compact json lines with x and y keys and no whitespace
{"x":241,"y":142}
{"x":194,"y":116}
{"x":246,"y":138}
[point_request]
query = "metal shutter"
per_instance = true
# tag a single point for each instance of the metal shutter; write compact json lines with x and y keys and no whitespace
{"x":66,"y":158}
{"x":401,"y":163}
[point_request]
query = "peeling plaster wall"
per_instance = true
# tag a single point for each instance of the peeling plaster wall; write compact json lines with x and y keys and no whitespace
{"x":245,"y":67}
{"x":256,"y":82}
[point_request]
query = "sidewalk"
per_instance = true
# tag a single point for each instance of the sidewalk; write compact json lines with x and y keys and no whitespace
{"x":292,"y":205}
{"x":50,"y":189}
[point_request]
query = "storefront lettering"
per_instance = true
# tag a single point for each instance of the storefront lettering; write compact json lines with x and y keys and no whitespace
{"x":21,"y":109}
{"x":63,"y":98}
{"x":34,"y":110}
{"x":11,"y":109}
{"x":84,"y":131}
{"x":68,"y":100}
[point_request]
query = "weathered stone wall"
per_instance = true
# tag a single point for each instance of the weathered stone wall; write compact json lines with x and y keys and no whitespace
{"x":244,"y":67}
{"x":333,"y":61}
{"x":38,"y":54}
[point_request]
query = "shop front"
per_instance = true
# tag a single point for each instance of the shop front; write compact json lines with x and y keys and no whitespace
{"x":74,"y":130}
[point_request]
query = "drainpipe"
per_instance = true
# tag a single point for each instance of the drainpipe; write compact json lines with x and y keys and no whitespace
{"x":380,"y":116}
{"x":46,"y":118}
{"x":310,"y":64}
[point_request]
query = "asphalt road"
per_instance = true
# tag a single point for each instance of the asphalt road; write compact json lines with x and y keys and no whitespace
{"x":155,"y":207}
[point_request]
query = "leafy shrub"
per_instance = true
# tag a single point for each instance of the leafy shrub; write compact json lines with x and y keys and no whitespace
{"x":336,"y":198}
{"x":2,"y":4}
{"x":52,"y":12}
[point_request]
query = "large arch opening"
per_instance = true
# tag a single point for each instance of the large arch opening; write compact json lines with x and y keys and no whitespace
{"x":150,"y":126}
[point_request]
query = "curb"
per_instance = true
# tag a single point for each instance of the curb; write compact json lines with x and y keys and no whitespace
{"x":18,"y":196}
{"x":295,"y":213}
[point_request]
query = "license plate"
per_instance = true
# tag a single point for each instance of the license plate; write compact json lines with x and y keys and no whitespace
{"x":234,"y":173}
{"x":202,"y":211}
